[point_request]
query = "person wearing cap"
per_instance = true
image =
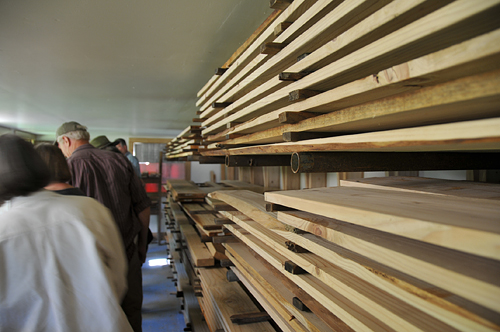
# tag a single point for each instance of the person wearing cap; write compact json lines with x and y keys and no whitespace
{"x":63,"y":265}
{"x":121,"y":145}
{"x":103,"y":143}
{"x":110,"y":178}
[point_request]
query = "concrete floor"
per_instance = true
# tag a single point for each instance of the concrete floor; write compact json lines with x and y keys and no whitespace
{"x":160,"y":309}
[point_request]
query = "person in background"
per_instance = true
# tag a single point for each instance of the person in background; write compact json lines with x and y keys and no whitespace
{"x":121,"y":145}
{"x":63,"y":265}
{"x":59,"y":170}
{"x":103,"y":143}
{"x":109,"y":178}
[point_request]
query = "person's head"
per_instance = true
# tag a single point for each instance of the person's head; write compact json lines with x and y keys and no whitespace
{"x":121,"y":145}
{"x":71,"y":135}
{"x":22,"y":171}
{"x":54,"y":159}
{"x":100,"y":142}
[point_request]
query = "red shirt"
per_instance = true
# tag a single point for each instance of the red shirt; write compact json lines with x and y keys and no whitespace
{"x":110,"y":178}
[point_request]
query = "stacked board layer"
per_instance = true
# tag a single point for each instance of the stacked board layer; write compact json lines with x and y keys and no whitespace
{"x":384,"y":254}
{"x":360,"y":76}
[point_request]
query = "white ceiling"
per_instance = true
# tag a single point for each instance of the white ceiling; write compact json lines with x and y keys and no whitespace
{"x":121,"y":67}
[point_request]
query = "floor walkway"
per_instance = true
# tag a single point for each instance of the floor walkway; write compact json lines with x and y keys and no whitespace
{"x":160,"y":309}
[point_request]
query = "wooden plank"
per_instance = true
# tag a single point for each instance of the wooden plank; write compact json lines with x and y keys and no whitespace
{"x":342,"y":307}
{"x":453,"y":222}
{"x":218,"y":205}
{"x":197,"y":250}
{"x":414,"y":40}
{"x":466,"y":275}
{"x":280,"y":289}
{"x":393,"y":311}
{"x":240,"y":185}
{"x":184,"y":190}
{"x":249,"y":203}
{"x":450,"y":308}
{"x":431,"y":186}
{"x":460,"y":136}
{"x":257,"y":176}
{"x":266,"y":302}
{"x":229,"y":299}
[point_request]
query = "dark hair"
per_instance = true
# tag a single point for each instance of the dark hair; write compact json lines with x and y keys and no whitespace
{"x":120,"y":141}
{"x":22,"y":171}
{"x":55,"y":161}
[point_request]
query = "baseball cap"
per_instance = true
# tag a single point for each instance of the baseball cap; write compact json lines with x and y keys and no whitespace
{"x":68,"y":127}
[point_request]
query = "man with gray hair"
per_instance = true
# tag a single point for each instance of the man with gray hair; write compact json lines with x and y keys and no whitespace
{"x":109,"y":178}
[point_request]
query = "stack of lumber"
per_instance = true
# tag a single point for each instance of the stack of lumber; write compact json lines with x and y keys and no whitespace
{"x":362,"y":76}
{"x":210,"y":301}
{"x":388,"y":254}
{"x":187,"y":143}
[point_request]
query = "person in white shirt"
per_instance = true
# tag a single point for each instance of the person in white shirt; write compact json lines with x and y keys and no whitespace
{"x":62,"y":261}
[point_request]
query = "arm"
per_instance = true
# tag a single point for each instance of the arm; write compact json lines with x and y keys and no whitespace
{"x":143,"y":235}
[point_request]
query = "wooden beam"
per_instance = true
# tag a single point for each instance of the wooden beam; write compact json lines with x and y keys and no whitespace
{"x":302,"y":94}
{"x":270,"y":48}
{"x":220,"y":71}
{"x":278,"y":30}
{"x":292,"y":76}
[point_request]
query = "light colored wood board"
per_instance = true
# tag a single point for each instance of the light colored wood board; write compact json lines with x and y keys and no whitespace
{"x":230,"y":299}
{"x":198,"y":251}
{"x":251,"y":204}
{"x":433,"y":301}
{"x":419,"y":38}
{"x":476,"y":135}
{"x":252,"y":51}
{"x":287,"y":325}
{"x":207,"y":85}
{"x":182,"y":189}
{"x":382,"y":22}
{"x":468,"y":276}
{"x":218,"y":205}
{"x":241,"y":185}
{"x":342,"y":307}
{"x":216,"y":253}
{"x":264,"y":70}
{"x":453,"y":222}
{"x":260,"y":273}
{"x":393,"y":311}
{"x":431,"y":186}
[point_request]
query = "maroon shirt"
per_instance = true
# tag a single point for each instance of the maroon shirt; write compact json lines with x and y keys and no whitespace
{"x":110,"y":178}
